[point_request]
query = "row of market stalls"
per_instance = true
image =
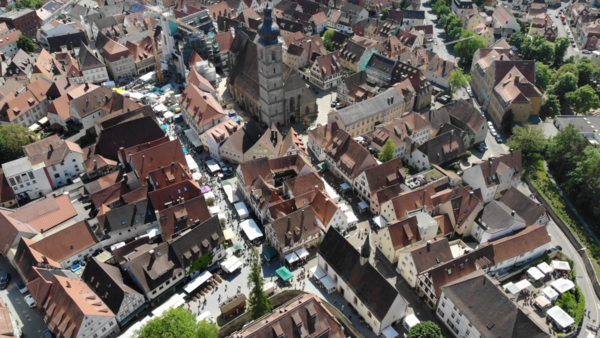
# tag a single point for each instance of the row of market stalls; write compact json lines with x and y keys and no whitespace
{"x":296,"y":257}
{"x":323,"y":279}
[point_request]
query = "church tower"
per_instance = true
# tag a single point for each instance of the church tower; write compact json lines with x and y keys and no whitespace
{"x":270,"y":71}
{"x":365,"y":251}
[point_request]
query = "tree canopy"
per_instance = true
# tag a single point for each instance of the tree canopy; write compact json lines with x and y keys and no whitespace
{"x":530,"y":140}
{"x":12,"y":139}
{"x":35,"y":4}
{"x":178,"y":323}
{"x":385,"y":13}
{"x":550,"y":106}
{"x":327,"y":39}
{"x":260,"y":303}
{"x":563,"y":152}
{"x":425,"y":329}
{"x":387,"y":151}
{"x":458,"y":79}
{"x":560,"y":49}
{"x":26,"y":44}
{"x":583,"y":99}
{"x":565,"y":83}
{"x":452,"y":24}
{"x":465,"y":49}
{"x":587,"y":72}
{"x":543,"y":75}
{"x":538,"y":49}
{"x":517,"y":40}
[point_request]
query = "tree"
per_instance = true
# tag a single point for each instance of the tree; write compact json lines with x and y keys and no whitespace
{"x":565,"y":83}
{"x":327,"y":39}
{"x":539,"y":49}
{"x":425,"y":329}
{"x":458,"y":79}
{"x":260,"y":304}
{"x":583,"y":99}
{"x":450,"y":22}
{"x":465,"y":49}
{"x":178,"y":323}
{"x":587,"y":72}
{"x":12,"y":139}
{"x":517,"y":40}
{"x":568,"y":303}
{"x":564,"y":151}
{"x":584,"y":181}
{"x":506,"y":124}
{"x":25,"y":44}
{"x":566,"y":68}
{"x":385,"y":13}
{"x":35,"y":4}
{"x":560,"y":49}
{"x":550,"y":107}
{"x":440,"y":9}
{"x":530,"y":140}
{"x":387,"y":151}
{"x":543,"y":75}
{"x":9,"y":8}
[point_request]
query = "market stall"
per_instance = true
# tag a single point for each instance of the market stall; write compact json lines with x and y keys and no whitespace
{"x":410,"y":321}
{"x":512,"y":288}
{"x":205,"y":189}
{"x":535,"y":273}
{"x":270,"y":253}
{"x":251,"y":230}
{"x":301,"y":253}
{"x":231,"y":264}
{"x":213,"y":167}
{"x":550,"y":293}
{"x":344,"y":187}
{"x":363,"y":206}
{"x":545,"y":268}
{"x":562,"y":285}
{"x":284,"y":274}
{"x":231,"y":195}
{"x":241,"y":210}
{"x":191,"y":163}
{"x":317,"y":272}
{"x":561,"y":265}
{"x":197,"y":282}
{"x":215,"y":210}
{"x":560,"y":317}
{"x":328,"y":284}
{"x":291,"y":258}
{"x":542,"y":303}
{"x":193,"y":138}
{"x":229,"y":234}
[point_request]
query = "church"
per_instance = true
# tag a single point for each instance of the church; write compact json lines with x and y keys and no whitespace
{"x":259,"y":81}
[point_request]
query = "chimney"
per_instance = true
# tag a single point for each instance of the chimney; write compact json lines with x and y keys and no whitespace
{"x":44,"y":259}
{"x":86,"y":86}
{"x":122,"y":154}
{"x":95,"y":165}
{"x":512,"y":213}
{"x":68,"y":284}
{"x":428,"y":245}
{"x":517,"y":78}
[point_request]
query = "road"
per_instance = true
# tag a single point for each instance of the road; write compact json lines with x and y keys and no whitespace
{"x":443,"y":51}
{"x":562,"y":31}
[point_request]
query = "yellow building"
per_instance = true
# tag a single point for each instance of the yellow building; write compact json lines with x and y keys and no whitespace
{"x":472,"y":19}
{"x":487,"y":33}
{"x":515,"y":92}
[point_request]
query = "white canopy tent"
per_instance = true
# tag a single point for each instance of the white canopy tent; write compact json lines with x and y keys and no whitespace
{"x":388,"y":332}
{"x":545,"y":268}
{"x":561,"y":265}
{"x":512,"y":288}
{"x":192,"y":165}
{"x":542,"y":302}
{"x":193,"y":138}
{"x":301,"y":253}
{"x":160,"y":108}
{"x":550,"y":293}
{"x":380,"y":221}
{"x":196,"y":282}
{"x":214,"y":210}
{"x":318,"y":272}
{"x":535,"y":273}
{"x":242,"y":210}
{"x":363,"y":206}
{"x":251,"y":230}
{"x":168,"y":115}
{"x":231,"y":264}
{"x":204,"y":315}
{"x":291,"y":258}
{"x":328,"y":283}
{"x":213,"y":166}
{"x":560,"y":317}
{"x":136,"y":96}
{"x":34,"y":127}
{"x":351,"y":218}
{"x":523,"y":284}
{"x":208,"y":195}
{"x":197,"y":176}
{"x":562,"y":285}
{"x":231,"y":195}
{"x":173,"y":302}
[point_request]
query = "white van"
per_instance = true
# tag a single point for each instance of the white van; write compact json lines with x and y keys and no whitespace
{"x":410,"y":321}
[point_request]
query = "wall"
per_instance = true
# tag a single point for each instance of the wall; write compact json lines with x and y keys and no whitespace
{"x":460,"y":325}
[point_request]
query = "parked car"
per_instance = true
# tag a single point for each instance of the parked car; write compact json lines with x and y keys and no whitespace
{"x":483,"y":147}
{"x":434,"y":41}
{"x":443,"y":99}
{"x":4,"y":280}
{"x":490,"y":124}
{"x":499,"y":138}
{"x":493,"y":132}
{"x":22,"y":287}
{"x":585,"y":51}
{"x":574,"y":45}
{"x":333,"y":104}
{"x":47,"y":334}
{"x":470,"y":92}
{"x":30,"y":301}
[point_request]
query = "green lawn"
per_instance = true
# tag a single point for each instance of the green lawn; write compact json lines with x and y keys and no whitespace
{"x":539,"y":178}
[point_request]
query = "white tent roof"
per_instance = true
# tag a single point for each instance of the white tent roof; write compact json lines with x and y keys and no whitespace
{"x":197,"y":176}
{"x":160,"y":107}
{"x":192,"y":165}
{"x":535,"y":273}
{"x":168,"y":115}
{"x":214,"y":210}
{"x":560,"y":317}
{"x":351,"y":217}
{"x":196,"y":282}
{"x":291,"y":258}
{"x":411,"y":321}
{"x":208,"y":195}
{"x":363,"y":205}
{"x":204,"y":315}
{"x":512,"y":288}
{"x":544,"y":267}
{"x":173,"y":302}
{"x":561,"y":265}
{"x":191,"y":135}
{"x":389,"y":332}
{"x":542,"y":301}
{"x":523,"y":284}
{"x":318,"y":272}
{"x":301,"y":253}
{"x":241,"y":210}
{"x":328,"y":283}
{"x":231,"y":264}
{"x":251,"y":229}
{"x":213,"y":166}
{"x":345,"y":186}
{"x":562,"y":285}
{"x":550,"y":293}
{"x":380,"y":221}
{"x":231,"y":196}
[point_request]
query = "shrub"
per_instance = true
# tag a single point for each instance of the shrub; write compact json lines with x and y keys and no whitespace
{"x":468,"y":154}
{"x":210,"y":202}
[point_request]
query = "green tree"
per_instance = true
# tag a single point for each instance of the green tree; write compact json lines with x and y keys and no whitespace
{"x":25,"y":44}
{"x":567,"y":302}
{"x":327,"y":39}
{"x":550,"y":107}
{"x":530,"y":140}
{"x":588,"y":72}
{"x":178,"y":323}
{"x":387,"y":151}
{"x":35,"y":4}
{"x":542,"y":50}
{"x":564,"y":84}
{"x":260,"y":303}
{"x":9,"y":8}
{"x":465,"y":49}
{"x":543,"y":75}
{"x":517,"y":40}
{"x":507,"y":122}
{"x":583,"y":99}
{"x":564,"y":151}
{"x":458,"y":79}
{"x":450,"y":22}
{"x":584,"y":182}
{"x":566,"y":68}
{"x":12,"y":139}
{"x":425,"y":329}
{"x":560,"y":49}
{"x":440,"y":9}
{"x":385,"y":13}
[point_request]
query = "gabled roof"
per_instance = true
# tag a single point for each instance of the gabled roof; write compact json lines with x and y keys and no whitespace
{"x":50,"y":151}
{"x":300,"y":185}
{"x":323,"y":207}
{"x":127,"y":134}
{"x":182,"y":216}
{"x":201,"y":106}
{"x":152,"y":265}
{"x":87,"y":59}
{"x":495,"y":166}
{"x":523,"y":205}
{"x":348,"y":154}
{"x":164,"y":154}
{"x":385,"y":174}
{"x":444,"y":147}
{"x":245,"y":137}
{"x":430,"y":254}
{"x":129,"y":216}
{"x":502,"y":15}
{"x":45,"y":214}
{"x":67,"y":242}
{"x":530,"y":238}
{"x":366,"y":282}
{"x":295,"y":228}
{"x":199,"y":241}
{"x":174,"y":194}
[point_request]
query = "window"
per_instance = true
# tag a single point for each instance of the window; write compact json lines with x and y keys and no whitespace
{"x":441,"y":313}
{"x":56,"y":175}
{"x":369,"y":314}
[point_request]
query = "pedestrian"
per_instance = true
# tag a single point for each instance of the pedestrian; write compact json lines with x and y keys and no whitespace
{"x":342,"y":308}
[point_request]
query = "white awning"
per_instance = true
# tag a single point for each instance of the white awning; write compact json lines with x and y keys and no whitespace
{"x":251,"y":230}
{"x":318,"y":272}
{"x":43,"y":120}
{"x":168,"y":115}
{"x":328,"y":283}
{"x":34,"y":127}
{"x":345,"y":186}
{"x":153,"y":232}
{"x":172,"y":303}
{"x":379,"y":221}
{"x":562,"y":285}
{"x":550,"y":293}
{"x":523,"y":284}
{"x":191,"y":163}
{"x":363,"y":205}
{"x":560,"y":317}
{"x":160,"y":107}
{"x":204,"y":315}
{"x":196,"y":282}
{"x":301,"y":253}
{"x":213,"y":166}
{"x":561,"y":265}
{"x":214,"y":210}
{"x":192,"y":137}
{"x":535,"y":273}
{"x":231,"y":196}
{"x":542,"y":302}
{"x":389,"y":332}
{"x":512,"y":288}
{"x":242,"y":210}
{"x":231,"y":264}
{"x":351,"y":218}
{"x":291,"y":258}
{"x":545,"y":268}
{"x":209,"y":195}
